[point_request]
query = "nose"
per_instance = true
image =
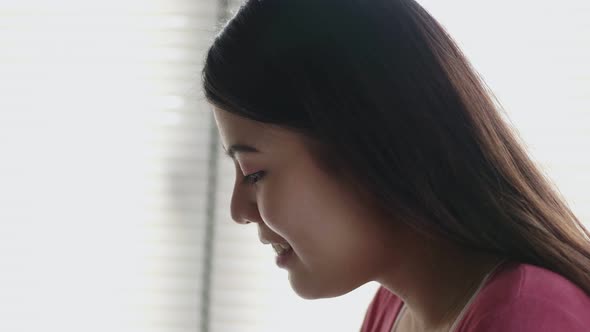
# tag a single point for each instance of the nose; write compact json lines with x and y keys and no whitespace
{"x":243,"y":207}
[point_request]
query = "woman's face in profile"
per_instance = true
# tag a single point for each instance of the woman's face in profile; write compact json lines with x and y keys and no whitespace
{"x":338,"y":240}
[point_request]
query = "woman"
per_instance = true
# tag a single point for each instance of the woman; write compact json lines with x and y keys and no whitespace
{"x":366,"y":148}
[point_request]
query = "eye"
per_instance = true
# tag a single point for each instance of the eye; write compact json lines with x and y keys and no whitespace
{"x":254,"y":177}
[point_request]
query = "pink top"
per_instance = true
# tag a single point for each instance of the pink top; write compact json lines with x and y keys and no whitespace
{"x":515,"y":297}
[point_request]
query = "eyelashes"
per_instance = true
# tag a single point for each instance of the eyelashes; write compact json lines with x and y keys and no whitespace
{"x":254,"y":177}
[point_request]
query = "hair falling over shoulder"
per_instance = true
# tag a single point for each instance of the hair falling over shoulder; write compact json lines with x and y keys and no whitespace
{"x":384,"y":89}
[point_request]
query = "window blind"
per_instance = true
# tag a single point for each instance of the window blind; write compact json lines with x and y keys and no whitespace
{"x":104,"y":170}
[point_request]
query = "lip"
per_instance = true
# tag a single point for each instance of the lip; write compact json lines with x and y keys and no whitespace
{"x":284,"y":259}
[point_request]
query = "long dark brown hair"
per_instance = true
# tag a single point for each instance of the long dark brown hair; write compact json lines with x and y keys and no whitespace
{"x":389,"y":96}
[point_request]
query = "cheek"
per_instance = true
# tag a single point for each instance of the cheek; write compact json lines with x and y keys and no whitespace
{"x":305,"y":212}
{"x":289,"y":206}
{"x":316,"y":215}
{"x":278,"y":206}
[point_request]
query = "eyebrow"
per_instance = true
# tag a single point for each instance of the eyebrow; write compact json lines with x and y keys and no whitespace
{"x":240,"y":148}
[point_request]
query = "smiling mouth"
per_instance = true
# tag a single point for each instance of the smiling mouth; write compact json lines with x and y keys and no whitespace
{"x":281,"y":249}
{"x":285,"y":254}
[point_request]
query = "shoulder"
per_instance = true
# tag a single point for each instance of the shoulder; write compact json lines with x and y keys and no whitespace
{"x":524,"y":297}
{"x":381,"y":312}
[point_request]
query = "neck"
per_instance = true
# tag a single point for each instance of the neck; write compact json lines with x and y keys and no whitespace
{"x":437,"y":282}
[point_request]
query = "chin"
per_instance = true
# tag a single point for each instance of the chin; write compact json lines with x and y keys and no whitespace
{"x":313,"y":291}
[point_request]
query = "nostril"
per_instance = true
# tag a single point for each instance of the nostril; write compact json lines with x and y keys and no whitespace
{"x":243,"y":211}
{"x":242,"y":221}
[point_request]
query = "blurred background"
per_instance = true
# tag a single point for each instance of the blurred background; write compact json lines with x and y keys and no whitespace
{"x":114,"y":197}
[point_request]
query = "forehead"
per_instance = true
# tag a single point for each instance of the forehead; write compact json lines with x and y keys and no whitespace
{"x":235,"y":129}
{"x":232,"y":126}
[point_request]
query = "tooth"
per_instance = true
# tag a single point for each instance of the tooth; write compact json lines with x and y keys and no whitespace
{"x":277,"y":247}
{"x":285,"y":246}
